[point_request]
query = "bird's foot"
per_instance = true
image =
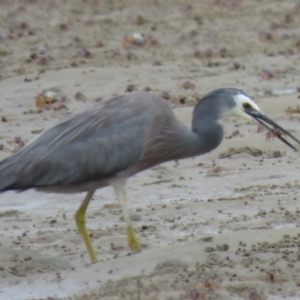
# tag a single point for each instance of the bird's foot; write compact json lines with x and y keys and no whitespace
{"x":132,"y":240}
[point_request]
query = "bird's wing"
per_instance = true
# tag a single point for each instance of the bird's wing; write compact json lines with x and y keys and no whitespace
{"x":90,"y":145}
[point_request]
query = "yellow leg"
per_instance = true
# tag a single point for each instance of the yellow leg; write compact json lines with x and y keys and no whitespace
{"x":119,"y":188}
{"x":80,"y":222}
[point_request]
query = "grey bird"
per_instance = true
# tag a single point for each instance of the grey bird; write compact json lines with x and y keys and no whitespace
{"x":115,"y":139}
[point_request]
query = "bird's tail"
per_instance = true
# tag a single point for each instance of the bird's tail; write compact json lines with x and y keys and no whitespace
{"x":8,"y":174}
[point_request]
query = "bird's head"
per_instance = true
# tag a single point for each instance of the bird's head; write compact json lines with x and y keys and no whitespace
{"x":235,"y":102}
{"x":246,"y":108}
{"x":243,"y":106}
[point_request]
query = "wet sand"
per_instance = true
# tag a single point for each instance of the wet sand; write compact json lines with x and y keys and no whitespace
{"x":207,"y":233}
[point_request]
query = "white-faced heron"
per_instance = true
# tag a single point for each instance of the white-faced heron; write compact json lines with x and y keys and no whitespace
{"x":115,"y":139}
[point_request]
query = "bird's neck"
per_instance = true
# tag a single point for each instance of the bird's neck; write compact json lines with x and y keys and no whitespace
{"x":207,"y":128}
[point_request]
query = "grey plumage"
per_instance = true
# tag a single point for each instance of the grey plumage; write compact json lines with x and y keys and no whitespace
{"x":113,"y":140}
{"x":89,"y":145}
{"x":128,"y":133}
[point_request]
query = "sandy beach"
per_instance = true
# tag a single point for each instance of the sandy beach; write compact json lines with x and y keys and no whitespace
{"x":220,"y":226}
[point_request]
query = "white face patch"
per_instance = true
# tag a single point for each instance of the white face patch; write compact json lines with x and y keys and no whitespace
{"x":239,"y":110}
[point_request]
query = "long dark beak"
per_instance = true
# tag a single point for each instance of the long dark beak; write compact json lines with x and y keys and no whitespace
{"x":263,"y":119}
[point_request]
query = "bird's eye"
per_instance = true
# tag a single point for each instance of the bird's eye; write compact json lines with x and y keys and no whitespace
{"x":246,"y":105}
